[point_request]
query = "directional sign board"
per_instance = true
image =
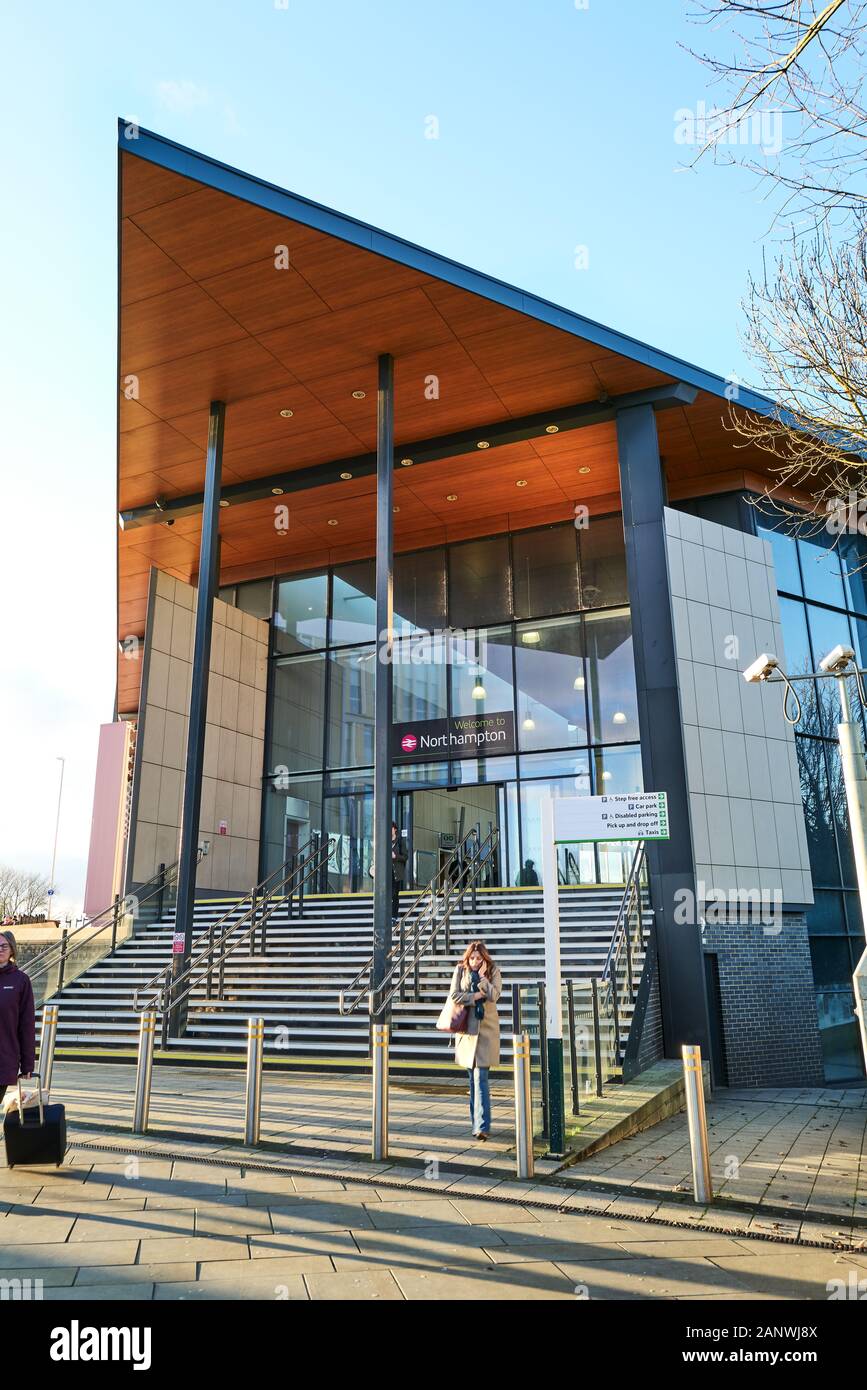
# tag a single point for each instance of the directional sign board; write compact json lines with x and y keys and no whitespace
{"x":640,"y":816}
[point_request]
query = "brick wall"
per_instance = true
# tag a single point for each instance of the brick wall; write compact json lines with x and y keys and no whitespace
{"x":769,"y":1019}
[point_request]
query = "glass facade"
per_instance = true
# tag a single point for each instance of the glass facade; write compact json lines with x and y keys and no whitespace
{"x":823,"y":601}
{"x":532,"y":624}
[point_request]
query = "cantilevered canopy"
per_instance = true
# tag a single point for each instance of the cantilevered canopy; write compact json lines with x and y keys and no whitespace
{"x":232,"y":289}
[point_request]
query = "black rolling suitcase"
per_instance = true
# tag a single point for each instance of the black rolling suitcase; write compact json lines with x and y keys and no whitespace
{"x":37,"y":1134}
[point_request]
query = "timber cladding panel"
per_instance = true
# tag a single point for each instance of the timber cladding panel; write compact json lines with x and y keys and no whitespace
{"x":234,"y":739}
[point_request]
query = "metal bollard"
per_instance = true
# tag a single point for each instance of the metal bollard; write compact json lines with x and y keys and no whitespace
{"x":693,"y":1081}
{"x":379,"y":1058}
{"x":253,"y":1104}
{"x":47,"y":1039}
{"x":144,"y":1071}
{"x":523,"y":1104}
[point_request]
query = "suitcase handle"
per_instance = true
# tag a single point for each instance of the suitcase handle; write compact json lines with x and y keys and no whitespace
{"x":39,"y":1099}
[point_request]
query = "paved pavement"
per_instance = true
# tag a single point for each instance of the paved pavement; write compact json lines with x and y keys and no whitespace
{"x":796,"y":1153}
{"x":309,"y":1216}
{"x":122,"y":1225}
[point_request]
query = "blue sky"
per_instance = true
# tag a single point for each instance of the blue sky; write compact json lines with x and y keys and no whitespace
{"x":555,"y":131}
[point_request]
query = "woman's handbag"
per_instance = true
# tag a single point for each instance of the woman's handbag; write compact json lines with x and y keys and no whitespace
{"x":454,"y":1017}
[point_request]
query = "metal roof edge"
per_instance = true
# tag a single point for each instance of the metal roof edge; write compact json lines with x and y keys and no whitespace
{"x":179,"y":159}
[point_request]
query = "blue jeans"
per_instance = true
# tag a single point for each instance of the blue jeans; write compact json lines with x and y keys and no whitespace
{"x":480,"y":1100}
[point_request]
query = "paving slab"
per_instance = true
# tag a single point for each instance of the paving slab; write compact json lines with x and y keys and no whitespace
{"x":146,"y":1273}
{"x":531,"y":1281}
{"x":291,"y":1289}
{"x":358,"y":1285}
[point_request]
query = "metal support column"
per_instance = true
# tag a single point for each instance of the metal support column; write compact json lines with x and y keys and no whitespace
{"x":670,"y":863}
{"x":382,"y":760}
{"x":182,"y":942}
{"x":379,"y":1048}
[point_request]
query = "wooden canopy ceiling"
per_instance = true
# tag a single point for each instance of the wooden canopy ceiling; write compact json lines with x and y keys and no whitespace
{"x":214,"y":307}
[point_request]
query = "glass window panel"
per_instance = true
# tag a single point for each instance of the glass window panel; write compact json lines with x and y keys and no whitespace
{"x":859,"y":635}
{"x":611,"y":677}
{"x":227,"y":594}
{"x":841,"y":1048}
{"x":480,"y":671}
{"x":854,"y":920}
{"x":419,"y":683}
{"x":255,"y":598}
{"x":831,"y":964}
{"x":799,"y":660}
{"x":545,"y":569}
{"x":421,"y":774}
{"x":557,"y":765}
{"x":816,"y":798}
{"x":531,"y":797}
{"x":300,"y":614}
{"x":479,"y":582}
{"x":820,"y":568}
{"x":552,"y":707}
{"x":467,"y":771}
{"x":298,"y":704}
{"x":618,"y":770}
{"x":785,"y":550}
{"x":353,"y":604}
{"x":827,"y":630}
{"x":349,"y":821}
{"x":420,"y":591}
{"x":841,"y":816}
{"x":603,"y":563}
{"x":853,"y":561}
{"x":351,"y":708}
{"x":292,"y":812}
{"x":826,"y":916}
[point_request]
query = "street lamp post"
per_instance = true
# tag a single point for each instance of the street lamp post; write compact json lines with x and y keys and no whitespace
{"x":62,"y":762}
{"x":838,"y":665}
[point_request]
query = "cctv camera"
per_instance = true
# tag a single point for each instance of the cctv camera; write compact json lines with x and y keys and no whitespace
{"x":837,"y":660}
{"x":761,"y":668}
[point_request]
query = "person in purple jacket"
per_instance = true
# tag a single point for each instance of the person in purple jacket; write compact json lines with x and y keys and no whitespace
{"x":17,"y":1017}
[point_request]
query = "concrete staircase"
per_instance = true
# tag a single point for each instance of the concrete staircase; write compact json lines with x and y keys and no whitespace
{"x":295,"y":987}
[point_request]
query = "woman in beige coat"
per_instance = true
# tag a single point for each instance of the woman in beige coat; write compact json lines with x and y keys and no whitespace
{"x":477,"y":982}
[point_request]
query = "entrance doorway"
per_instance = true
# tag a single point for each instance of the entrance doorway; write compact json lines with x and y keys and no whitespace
{"x":433,"y":821}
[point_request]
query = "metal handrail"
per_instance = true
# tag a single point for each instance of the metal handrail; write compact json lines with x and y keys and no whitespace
{"x":434,"y":886}
{"x":633,"y":886}
{"x":272,"y":888}
{"x":59,"y":951}
{"x":468,"y":871}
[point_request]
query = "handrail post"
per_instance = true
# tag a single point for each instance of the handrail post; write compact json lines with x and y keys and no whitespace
{"x":523,"y":1104}
{"x":302,"y":865}
{"x":114,"y":921}
{"x":402,"y":943}
{"x":573,"y":1050}
{"x":253,"y":1098}
{"x":210,"y":971}
{"x":516,"y":1009}
{"x":162,"y":878}
{"x":597,"y":1042}
{"x":64,"y":937}
{"x":693,"y":1081}
{"x":614,"y":1001}
{"x":144,"y":1071}
{"x":253,"y":923}
{"x":629,"y":979}
{"x":47,"y":1039}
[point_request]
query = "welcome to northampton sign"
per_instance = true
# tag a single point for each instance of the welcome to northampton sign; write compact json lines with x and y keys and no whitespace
{"x":462,"y":736}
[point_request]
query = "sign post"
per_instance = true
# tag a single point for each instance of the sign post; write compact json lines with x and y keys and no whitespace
{"x":553,"y":1006}
{"x":579,"y":820}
